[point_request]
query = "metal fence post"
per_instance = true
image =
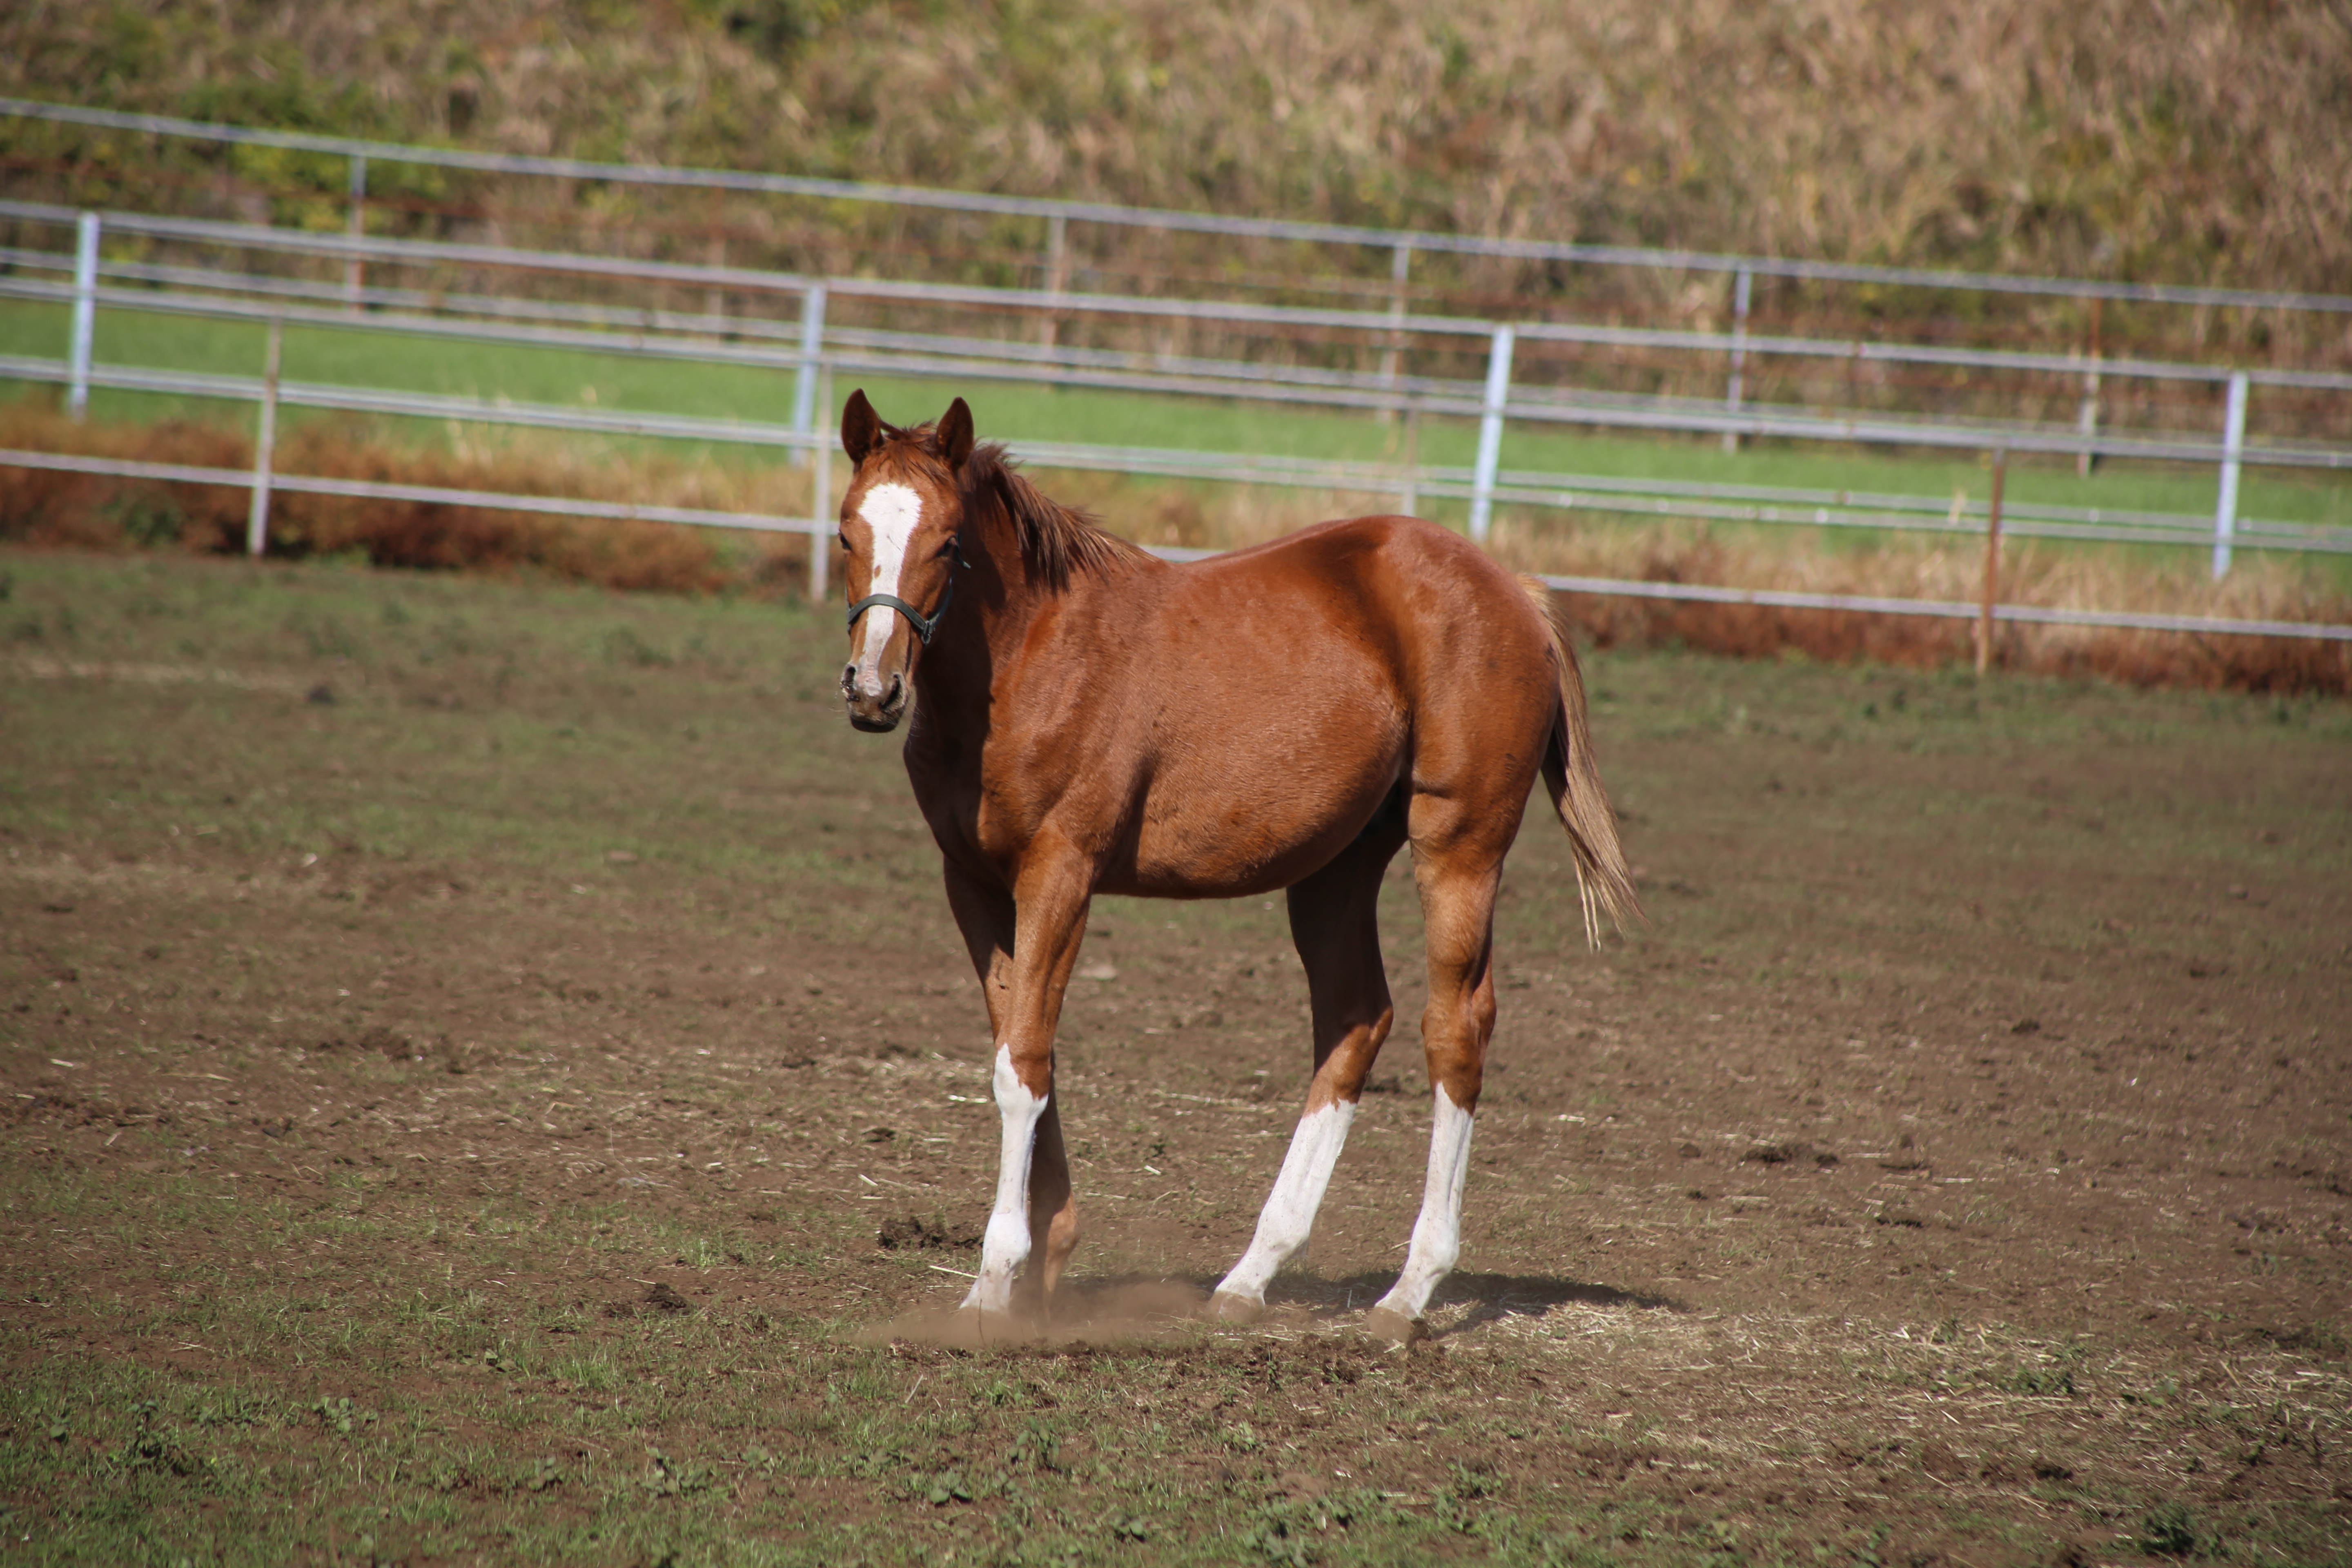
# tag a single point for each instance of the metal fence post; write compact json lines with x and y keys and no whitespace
{"x":805,"y":378}
{"x":2233,"y":442}
{"x":1490,"y":434}
{"x":85,"y":314}
{"x":820,"y":504}
{"x":1057,"y":276}
{"x":354,"y":269}
{"x":1735,"y":391}
{"x":264,"y":447}
{"x":2086,"y":418}
{"x":1408,"y":493}
{"x":1400,"y":269}
{"x":1992,"y":562}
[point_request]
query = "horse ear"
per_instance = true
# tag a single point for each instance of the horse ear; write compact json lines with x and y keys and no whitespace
{"x":954,"y":435}
{"x":861,"y":427}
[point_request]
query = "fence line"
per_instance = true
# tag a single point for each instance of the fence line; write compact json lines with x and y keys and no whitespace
{"x":184,"y":473}
{"x":264,"y":481}
{"x":415,"y":252}
{"x":1215,"y":378}
{"x":1603,"y":493}
{"x":813,"y":357}
{"x":918,"y":355}
{"x":1949,"y":610}
{"x":1064,"y":211}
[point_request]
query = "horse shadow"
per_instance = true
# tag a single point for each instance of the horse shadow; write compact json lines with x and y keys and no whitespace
{"x":1490,"y":1298}
{"x":1335,"y":1304}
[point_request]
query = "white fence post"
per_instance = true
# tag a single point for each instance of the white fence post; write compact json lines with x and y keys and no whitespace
{"x":356,"y":225}
{"x":1735,"y":391}
{"x":85,"y":315}
{"x":1490,"y":434}
{"x":2233,"y":442}
{"x":1408,"y":492}
{"x":1392,"y":357}
{"x":1058,"y":276}
{"x":820,"y":504}
{"x":2086,"y":418}
{"x":264,"y":447}
{"x":804,"y":379}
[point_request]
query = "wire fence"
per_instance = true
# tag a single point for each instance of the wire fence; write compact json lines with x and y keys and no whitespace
{"x":962,"y":333}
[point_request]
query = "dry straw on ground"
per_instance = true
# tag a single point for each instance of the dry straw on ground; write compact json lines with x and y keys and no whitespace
{"x":88,"y":511}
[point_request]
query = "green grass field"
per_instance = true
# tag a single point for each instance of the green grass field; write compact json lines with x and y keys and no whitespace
{"x":1017,"y":412}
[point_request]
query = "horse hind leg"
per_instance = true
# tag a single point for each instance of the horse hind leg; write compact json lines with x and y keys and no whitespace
{"x":1333,"y":921}
{"x":1458,"y":880}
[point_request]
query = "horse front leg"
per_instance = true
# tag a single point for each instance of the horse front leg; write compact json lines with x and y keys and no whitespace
{"x":1023,"y":946}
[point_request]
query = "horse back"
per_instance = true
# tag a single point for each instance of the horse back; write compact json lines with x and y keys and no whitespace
{"x":1448,"y":625}
{"x":1231,"y":725}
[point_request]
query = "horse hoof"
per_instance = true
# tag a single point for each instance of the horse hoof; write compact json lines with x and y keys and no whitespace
{"x":1388,"y":1323}
{"x":1228,"y":1307}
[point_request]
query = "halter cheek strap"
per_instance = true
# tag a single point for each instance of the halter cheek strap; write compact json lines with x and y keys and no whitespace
{"x":923,"y":629}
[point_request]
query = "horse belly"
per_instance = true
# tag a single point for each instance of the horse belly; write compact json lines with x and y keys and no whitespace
{"x":1249,"y":816}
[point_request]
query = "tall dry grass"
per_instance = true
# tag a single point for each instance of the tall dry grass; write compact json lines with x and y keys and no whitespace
{"x":2144,"y":139}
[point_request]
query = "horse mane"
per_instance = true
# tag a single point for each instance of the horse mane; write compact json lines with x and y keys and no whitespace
{"x":1057,"y":541}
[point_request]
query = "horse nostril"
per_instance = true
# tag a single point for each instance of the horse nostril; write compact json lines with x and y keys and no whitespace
{"x":849,"y":676}
{"x":898,"y":685}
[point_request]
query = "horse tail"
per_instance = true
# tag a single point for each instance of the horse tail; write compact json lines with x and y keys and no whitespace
{"x":1604,"y":883}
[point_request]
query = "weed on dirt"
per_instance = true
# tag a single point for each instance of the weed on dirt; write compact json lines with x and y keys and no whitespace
{"x":491,"y":1077}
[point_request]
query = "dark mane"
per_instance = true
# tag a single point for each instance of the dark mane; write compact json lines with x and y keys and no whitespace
{"x":1056,"y":541}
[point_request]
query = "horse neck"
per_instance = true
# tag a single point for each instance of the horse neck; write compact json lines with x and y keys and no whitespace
{"x":996,"y":598}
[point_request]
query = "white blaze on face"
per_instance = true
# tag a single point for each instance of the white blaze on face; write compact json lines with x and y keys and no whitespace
{"x":1289,"y":1214}
{"x":1437,"y":1234}
{"x":892,"y":512}
{"x":1004,"y":1245}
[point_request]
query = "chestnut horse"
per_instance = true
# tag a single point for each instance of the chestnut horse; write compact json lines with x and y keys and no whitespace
{"x":1089,"y":719}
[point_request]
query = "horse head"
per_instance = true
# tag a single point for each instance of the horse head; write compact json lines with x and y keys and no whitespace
{"x":898,"y":528}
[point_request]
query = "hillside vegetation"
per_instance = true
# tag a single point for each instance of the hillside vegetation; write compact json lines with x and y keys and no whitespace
{"x":2114,"y":138}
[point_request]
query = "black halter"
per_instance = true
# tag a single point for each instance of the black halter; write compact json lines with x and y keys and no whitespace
{"x":923,"y":629}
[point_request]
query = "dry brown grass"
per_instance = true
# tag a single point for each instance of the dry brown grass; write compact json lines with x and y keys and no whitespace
{"x":92,"y":512}
{"x":80,"y":511}
{"x":2115,"y":138}
{"x":2032,"y":572}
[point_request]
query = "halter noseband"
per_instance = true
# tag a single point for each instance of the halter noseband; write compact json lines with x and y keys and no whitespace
{"x":923,"y":629}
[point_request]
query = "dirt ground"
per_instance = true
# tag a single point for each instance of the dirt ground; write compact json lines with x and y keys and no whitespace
{"x":470,"y":1043}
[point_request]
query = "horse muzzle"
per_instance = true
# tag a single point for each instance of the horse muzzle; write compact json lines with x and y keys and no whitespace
{"x":877,"y":702}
